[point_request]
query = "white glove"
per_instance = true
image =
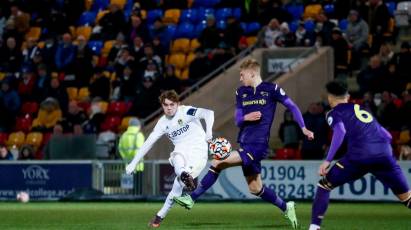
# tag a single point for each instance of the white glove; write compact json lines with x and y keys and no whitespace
{"x":130,"y":168}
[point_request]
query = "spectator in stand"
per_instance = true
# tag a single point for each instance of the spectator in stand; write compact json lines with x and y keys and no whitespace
{"x":323,"y":28}
{"x":232,"y":33}
{"x":386,"y":54}
{"x":5,"y":154}
{"x":289,"y":132}
{"x":220,"y":56}
{"x":128,"y":84}
{"x":26,"y":84}
{"x":159,"y":49}
{"x":100,"y":85}
{"x":287,"y":38}
{"x":150,"y":92}
{"x":83,"y":68}
{"x":388,"y":113}
{"x":378,"y":17}
{"x":136,"y":28}
{"x":314,"y":120}
{"x":20,"y":19}
{"x":42,"y":83}
{"x":48,"y":116}
{"x":56,"y":22}
{"x":250,"y":10}
{"x":199,"y":67}
{"x":274,"y":8}
{"x":170,"y":81}
{"x":159,"y":31}
{"x":402,"y":62}
{"x":268,"y":34}
{"x":48,"y":53}
{"x":149,"y":57}
{"x":74,"y":116}
{"x":26,"y":152}
{"x":368,"y":79}
{"x":30,"y":51}
{"x":137,"y":49}
{"x":10,"y":56}
{"x":58,"y":92}
{"x":357,"y":36}
{"x":96,"y":118}
{"x":340,"y":46}
{"x":112,"y":23}
{"x":210,"y":36}
{"x":123,"y":59}
{"x":65,"y":55}
{"x":304,"y":37}
{"x":369,"y":104}
{"x":116,"y":50}
{"x":10,"y":103}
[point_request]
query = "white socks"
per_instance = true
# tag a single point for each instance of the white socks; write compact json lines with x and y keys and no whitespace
{"x":314,"y":227}
{"x":177,"y":190}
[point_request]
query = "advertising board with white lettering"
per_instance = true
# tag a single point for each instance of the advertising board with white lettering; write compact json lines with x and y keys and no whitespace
{"x":43,"y":181}
{"x":298,"y":180}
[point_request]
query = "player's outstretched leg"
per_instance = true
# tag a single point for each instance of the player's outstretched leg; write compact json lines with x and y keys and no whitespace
{"x":320,"y":204}
{"x":155,"y":222}
{"x":291,"y":215}
{"x":187,"y":201}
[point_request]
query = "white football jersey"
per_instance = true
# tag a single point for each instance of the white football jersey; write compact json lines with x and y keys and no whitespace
{"x":184,"y":130}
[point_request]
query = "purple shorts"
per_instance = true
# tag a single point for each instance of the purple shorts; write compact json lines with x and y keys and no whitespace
{"x":252,"y":155}
{"x":385,"y":169}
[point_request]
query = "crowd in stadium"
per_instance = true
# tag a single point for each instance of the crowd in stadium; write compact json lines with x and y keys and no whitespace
{"x":87,"y":66}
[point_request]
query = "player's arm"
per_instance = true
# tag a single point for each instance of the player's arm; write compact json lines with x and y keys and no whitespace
{"x":208,"y":116}
{"x":289,"y":104}
{"x":337,"y":139}
{"x":148,"y":144}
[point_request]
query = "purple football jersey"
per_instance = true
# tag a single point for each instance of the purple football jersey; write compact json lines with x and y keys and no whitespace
{"x":364,"y":134}
{"x":263,"y":98}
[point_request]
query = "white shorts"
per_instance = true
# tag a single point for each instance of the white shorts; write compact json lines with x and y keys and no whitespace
{"x":194,"y":162}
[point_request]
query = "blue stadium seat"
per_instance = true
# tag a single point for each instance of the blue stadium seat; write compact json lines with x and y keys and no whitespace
{"x":243,"y":26}
{"x":170,"y":32}
{"x":309,"y":25}
{"x":343,"y":24}
{"x":294,"y":26}
{"x":223,"y":13}
{"x":252,"y":27}
{"x":391,"y":7}
{"x":237,"y":13}
{"x":295,"y":10}
{"x":189,"y":15}
{"x":96,"y":46}
{"x":329,"y":9}
{"x":221,"y":24}
{"x":199,"y":28}
{"x":185,"y":30}
{"x":99,"y":5}
{"x":152,"y":15}
{"x":204,"y":12}
{"x":87,"y":18}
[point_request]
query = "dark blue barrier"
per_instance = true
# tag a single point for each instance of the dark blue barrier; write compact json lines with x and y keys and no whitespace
{"x":43,"y":181}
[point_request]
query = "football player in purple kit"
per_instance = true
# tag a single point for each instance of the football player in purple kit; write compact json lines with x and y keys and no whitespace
{"x":369,"y":151}
{"x":256,"y":102}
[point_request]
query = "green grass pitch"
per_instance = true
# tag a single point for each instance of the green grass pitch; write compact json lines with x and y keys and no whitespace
{"x":100,"y":216}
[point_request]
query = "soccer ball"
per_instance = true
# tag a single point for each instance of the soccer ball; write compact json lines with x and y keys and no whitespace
{"x":220,"y":148}
{"x":23,"y":197}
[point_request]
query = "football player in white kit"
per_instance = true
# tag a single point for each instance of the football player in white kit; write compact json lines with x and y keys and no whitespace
{"x":181,"y":124}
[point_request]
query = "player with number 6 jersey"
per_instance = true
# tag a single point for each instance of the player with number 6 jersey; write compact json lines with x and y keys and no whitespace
{"x":369,"y":151}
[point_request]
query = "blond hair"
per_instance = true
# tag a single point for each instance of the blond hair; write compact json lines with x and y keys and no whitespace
{"x":170,"y":95}
{"x":250,"y":64}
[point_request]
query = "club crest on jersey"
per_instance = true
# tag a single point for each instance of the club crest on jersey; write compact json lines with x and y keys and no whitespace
{"x":330,"y":120}
{"x":264,"y":94}
{"x":180,"y":122}
{"x":244,"y":95}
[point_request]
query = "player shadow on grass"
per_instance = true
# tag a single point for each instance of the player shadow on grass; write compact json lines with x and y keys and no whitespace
{"x":225,"y":225}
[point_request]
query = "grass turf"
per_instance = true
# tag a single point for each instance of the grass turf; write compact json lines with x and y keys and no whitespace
{"x":123,"y":216}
